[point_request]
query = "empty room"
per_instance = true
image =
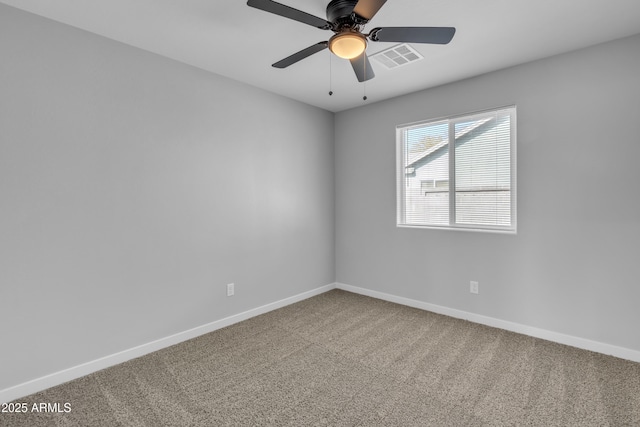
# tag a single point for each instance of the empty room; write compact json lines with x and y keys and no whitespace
{"x":322,"y":212}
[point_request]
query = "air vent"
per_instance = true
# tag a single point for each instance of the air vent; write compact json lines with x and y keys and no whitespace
{"x":397,"y":56}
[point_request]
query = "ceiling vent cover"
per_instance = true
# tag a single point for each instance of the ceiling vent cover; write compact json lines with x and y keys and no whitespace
{"x":397,"y":56}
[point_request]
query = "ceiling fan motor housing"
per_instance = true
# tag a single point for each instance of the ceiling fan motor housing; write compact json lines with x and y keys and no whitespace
{"x":339,"y":11}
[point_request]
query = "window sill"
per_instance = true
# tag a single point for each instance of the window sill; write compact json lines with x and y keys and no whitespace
{"x":452,"y":228}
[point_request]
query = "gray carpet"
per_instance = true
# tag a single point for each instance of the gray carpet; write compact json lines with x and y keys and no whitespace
{"x":341,"y":359}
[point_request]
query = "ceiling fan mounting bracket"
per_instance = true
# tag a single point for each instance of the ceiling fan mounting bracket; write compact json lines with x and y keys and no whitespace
{"x":373,"y":34}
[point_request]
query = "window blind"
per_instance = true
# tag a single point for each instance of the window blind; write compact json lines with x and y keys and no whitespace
{"x":458,"y":172}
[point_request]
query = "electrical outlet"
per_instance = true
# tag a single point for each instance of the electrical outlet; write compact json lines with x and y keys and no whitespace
{"x":474,"y":288}
{"x":230,"y":289}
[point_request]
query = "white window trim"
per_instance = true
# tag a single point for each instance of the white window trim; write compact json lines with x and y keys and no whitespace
{"x":400,"y":183}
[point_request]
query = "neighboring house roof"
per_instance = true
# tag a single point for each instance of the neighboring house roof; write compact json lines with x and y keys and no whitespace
{"x":438,"y":146}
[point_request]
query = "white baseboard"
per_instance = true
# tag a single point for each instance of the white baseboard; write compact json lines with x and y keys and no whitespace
{"x":585,"y":344}
{"x":63,"y":376}
{"x":69,"y":374}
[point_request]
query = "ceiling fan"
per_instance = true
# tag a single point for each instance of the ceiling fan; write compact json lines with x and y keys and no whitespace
{"x":347,"y":18}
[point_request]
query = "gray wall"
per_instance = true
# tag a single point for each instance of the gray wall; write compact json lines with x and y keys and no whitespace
{"x":573,"y":266}
{"x":133,"y":188}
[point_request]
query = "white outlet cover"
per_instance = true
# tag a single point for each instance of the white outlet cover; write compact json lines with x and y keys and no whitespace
{"x":474,"y":288}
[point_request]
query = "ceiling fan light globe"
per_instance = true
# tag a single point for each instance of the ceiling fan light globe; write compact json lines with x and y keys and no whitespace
{"x":348,"y":45}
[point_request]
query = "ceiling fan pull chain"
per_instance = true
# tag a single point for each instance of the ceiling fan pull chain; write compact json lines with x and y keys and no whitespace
{"x":330,"y":76}
{"x":364,"y":84}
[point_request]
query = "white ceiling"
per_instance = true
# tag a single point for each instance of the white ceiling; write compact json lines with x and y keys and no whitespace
{"x":230,"y":38}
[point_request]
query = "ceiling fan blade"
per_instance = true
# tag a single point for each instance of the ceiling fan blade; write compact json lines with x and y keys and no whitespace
{"x":368,"y":8}
{"x":362,"y":67}
{"x":434,"y":35}
{"x":289,"y":12}
{"x":299,"y":56}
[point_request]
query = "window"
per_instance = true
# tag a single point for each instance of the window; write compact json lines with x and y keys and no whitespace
{"x":458,"y":172}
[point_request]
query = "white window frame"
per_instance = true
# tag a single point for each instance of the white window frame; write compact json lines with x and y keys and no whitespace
{"x":452,"y":120}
